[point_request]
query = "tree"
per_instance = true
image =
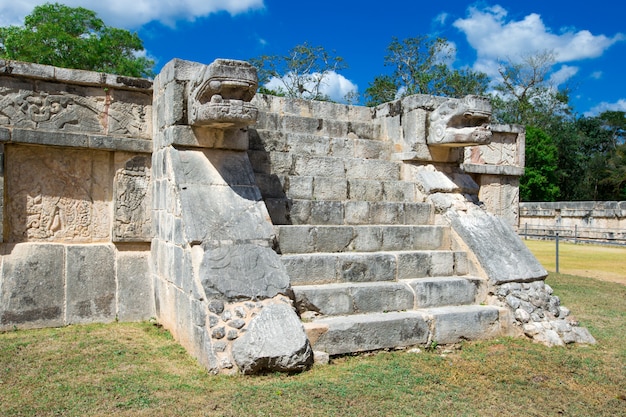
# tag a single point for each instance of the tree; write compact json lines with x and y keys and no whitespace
{"x":54,"y":34}
{"x":420,"y":67}
{"x":539,"y":182}
{"x":524,"y":94}
{"x":302,"y":73}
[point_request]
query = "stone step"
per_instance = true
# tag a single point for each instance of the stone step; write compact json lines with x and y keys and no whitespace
{"x":316,"y":125}
{"x":369,"y":297}
{"x":320,"y":238}
{"x":339,"y":335}
{"x":266,"y":141}
{"x":285,"y":211}
{"x":291,"y":164}
{"x":335,"y":189}
{"x":326,"y":268}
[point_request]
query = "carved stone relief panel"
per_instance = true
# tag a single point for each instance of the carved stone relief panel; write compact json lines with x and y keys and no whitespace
{"x":132,"y":198}
{"x":66,"y":108}
{"x":57,"y":194}
{"x":501,"y":151}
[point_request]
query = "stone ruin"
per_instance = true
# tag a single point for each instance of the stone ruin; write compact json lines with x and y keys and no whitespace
{"x":262,"y":232}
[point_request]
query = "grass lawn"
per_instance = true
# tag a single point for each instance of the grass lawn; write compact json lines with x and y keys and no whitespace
{"x":603,"y":262}
{"x":136,"y":369}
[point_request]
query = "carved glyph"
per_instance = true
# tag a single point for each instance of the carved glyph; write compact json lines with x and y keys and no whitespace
{"x":89,"y":110}
{"x":132,"y":201}
{"x":460,"y":122}
{"x":221,"y":93}
{"x":57,"y":195}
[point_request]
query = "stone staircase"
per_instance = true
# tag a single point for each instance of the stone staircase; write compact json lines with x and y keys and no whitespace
{"x":368,"y":267}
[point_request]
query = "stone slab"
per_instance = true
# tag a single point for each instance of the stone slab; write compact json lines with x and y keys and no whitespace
{"x":501,"y":253}
{"x":135,"y":299}
{"x":91,"y":288}
{"x":472,"y":322}
{"x":32,"y":286}
{"x":365,"y":332}
{"x":442,"y":291}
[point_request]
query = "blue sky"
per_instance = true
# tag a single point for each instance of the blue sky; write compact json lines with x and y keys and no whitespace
{"x":588,"y":38}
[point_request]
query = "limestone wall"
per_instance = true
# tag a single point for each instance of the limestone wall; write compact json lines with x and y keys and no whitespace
{"x":579,"y":220}
{"x":76,"y":229}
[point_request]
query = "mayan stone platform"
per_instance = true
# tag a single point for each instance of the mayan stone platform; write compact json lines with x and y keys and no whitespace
{"x":258,"y":229}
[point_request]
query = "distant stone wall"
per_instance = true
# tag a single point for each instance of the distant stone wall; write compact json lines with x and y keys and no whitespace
{"x":76,"y":230}
{"x":580,"y":220}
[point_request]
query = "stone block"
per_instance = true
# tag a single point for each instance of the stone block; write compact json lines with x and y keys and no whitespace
{"x":135,"y":291}
{"x":274,"y":342}
{"x":327,"y":212}
{"x":472,"y":322}
{"x":357,"y":212}
{"x":328,"y":188}
{"x":381,"y":297}
{"x":434,"y":182}
{"x":328,"y":300}
{"x":366,"y":332}
{"x":91,"y":287}
{"x":418,"y":213}
{"x":441,"y":263}
{"x":365,"y":190}
{"x":370,"y":149}
{"x":372,"y":169}
{"x":415,"y":264}
{"x":310,"y":268}
{"x":368,"y":239}
{"x":366,"y":267}
{"x":243,"y":271}
{"x":320,"y":167}
{"x":300,"y":188}
{"x":439,"y":292}
{"x":296,"y":239}
{"x":387,"y":213}
{"x":32,"y":286}
{"x":399,"y":191}
{"x":333,"y":238}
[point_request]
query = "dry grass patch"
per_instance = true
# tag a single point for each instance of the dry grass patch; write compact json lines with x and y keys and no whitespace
{"x":607,"y":263}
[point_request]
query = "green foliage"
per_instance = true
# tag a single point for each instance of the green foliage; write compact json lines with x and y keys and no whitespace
{"x":420,"y":67}
{"x":539,"y":180}
{"x":301,"y":73}
{"x":54,"y":34}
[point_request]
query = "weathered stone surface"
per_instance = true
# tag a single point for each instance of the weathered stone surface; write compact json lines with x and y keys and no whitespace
{"x":435,"y":292}
{"x":135,"y":292}
{"x":472,"y":322}
{"x":91,"y":284}
{"x":499,"y":250}
{"x":132,"y":200}
{"x":450,"y":122}
{"x":32,"y":286}
{"x":275,"y":341}
{"x":244,"y":271}
{"x":372,"y":331}
{"x":58,"y":194}
{"x":434,"y":182}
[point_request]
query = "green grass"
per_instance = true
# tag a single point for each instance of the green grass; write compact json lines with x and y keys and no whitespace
{"x":126,"y":369}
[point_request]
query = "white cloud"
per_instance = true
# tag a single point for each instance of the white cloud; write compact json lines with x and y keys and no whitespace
{"x":496,"y":38}
{"x":334,"y":85}
{"x":134,"y":13}
{"x":619,"y":105}
{"x":562,"y":75}
{"x":441,"y":18}
{"x":597,"y":75}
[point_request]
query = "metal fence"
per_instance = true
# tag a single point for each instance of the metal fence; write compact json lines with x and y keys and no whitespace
{"x":574,"y":234}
